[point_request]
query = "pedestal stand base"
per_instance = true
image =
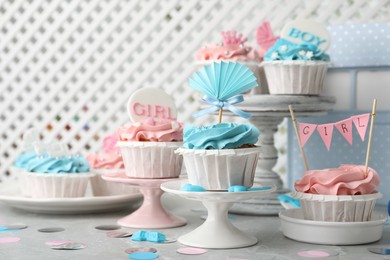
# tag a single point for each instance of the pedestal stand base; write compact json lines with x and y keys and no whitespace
{"x":216,"y":231}
{"x":152,"y":213}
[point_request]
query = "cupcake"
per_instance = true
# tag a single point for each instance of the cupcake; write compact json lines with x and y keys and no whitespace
{"x":58,"y":177}
{"x":221,"y":155}
{"x":344,"y":194}
{"x":232,"y":48}
{"x":108,"y":161}
{"x":296,"y":64}
{"x":148,"y":146}
{"x":18,"y":169}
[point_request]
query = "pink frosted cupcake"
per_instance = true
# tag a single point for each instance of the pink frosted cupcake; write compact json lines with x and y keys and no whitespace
{"x":148,"y":147}
{"x":232,"y":48}
{"x":344,"y":194}
{"x":108,"y":161}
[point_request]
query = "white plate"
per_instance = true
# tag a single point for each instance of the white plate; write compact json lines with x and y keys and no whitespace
{"x":294,"y":226}
{"x":81,"y":205}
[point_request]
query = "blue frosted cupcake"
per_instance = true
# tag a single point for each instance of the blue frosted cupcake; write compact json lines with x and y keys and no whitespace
{"x":57,"y":177}
{"x":295,"y":69}
{"x":18,"y":169}
{"x":221,"y":155}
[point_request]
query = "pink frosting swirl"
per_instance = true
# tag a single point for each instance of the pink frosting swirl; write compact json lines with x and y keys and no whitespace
{"x":346,"y":180}
{"x":151,"y":130}
{"x":105,"y":161}
{"x":110,"y":158}
{"x":232,"y":48}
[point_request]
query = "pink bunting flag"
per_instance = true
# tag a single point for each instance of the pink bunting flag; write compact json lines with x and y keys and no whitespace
{"x":361,"y":123}
{"x":305,"y":131}
{"x":345,"y":128}
{"x":326,"y":133}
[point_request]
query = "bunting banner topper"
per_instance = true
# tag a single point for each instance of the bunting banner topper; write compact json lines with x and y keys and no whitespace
{"x":326,"y":130}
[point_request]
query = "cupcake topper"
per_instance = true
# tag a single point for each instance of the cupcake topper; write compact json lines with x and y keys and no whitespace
{"x":29,"y":138}
{"x":57,"y":149}
{"x":231,"y":37}
{"x":345,"y":127}
{"x":370,"y":136}
{"x":264,"y":36}
{"x":109,"y":143}
{"x":307,"y":32}
{"x":151,"y":103}
{"x":39,"y":148}
{"x":222,"y":83}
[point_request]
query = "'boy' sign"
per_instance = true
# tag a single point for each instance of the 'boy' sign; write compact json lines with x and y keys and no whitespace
{"x":307,"y":32}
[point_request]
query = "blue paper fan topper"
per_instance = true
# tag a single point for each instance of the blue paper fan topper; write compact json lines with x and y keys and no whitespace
{"x":223,"y":83}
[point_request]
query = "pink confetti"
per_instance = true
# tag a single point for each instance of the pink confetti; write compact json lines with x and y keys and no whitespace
{"x":313,"y":254}
{"x":58,"y":242}
{"x":191,"y":251}
{"x":6,"y":240}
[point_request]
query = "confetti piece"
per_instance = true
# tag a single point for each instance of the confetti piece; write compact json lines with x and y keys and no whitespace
{"x":116,"y":234}
{"x":51,"y":229}
{"x":58,"y":242}
{"x":131,"y":250}
{"x":191,"y":251}
{"x":379,"y":250}
{"x":108,"y":227}
{"x":13,"y":227}
{"x":6,"y":240}
{"x":143,"y":256}
{"x":69,"y":246}
{"x":313,"y":254}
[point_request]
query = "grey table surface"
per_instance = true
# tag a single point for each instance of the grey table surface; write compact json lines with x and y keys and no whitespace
{"x":81,"y":228}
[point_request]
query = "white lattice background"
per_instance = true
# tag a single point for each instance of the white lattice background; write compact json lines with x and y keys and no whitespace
{"x":68,"y":66}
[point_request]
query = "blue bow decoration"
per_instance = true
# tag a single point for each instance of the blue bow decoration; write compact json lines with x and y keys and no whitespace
{"x":225,"y":104}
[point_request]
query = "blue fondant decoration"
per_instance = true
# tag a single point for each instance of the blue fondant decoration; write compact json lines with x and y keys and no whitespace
{"x":139,"y":236}
{"x":150,"y":235}
{"x":239,"y":188}
{"x":260,"y":188}
{"x":288,"y":199}
{"x":192,"y":188}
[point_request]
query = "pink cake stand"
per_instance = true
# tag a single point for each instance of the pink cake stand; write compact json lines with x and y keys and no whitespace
{"x":152,"y":213}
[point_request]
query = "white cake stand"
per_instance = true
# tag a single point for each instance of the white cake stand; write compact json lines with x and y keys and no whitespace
{"x":152,"y":213}
{"x":216,"y":231}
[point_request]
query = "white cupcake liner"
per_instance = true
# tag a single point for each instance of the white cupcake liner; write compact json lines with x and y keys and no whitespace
{"x":101,"y":187}
{"x":19,"y":173}
{"x":354,"y":208}
{"x":220,"y":169}
{"x":253,"y":66}
{"x":295,"y":77}
{"x":151,"y":160}
{"x":57,"y":185}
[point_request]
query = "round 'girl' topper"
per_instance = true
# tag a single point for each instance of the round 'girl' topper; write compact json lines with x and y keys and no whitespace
{"x":151,"y":103}
{"x":306,"y":32}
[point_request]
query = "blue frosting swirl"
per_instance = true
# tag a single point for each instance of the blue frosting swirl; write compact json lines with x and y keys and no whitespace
{"x":286,"y":50}
{"x":220,"y":136}
{"x":22,"y":160}
{"x":46,"y":164}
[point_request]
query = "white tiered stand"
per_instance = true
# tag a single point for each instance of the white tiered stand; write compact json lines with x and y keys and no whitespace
{"x":268,"y":111}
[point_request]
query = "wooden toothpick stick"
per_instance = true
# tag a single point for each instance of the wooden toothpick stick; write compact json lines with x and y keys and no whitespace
{"x":370,"y":137}
{"x":220,"y":116}
{"x":299,"y":139}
